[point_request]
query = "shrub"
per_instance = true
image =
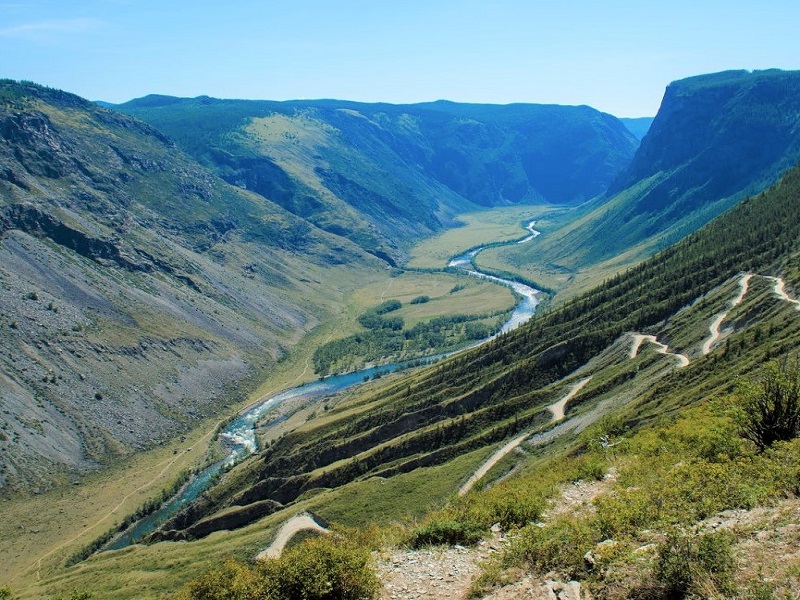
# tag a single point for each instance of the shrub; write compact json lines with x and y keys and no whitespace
{"x":559,"y":546}
{"x":231,"y":581}
{"x":388,"y":306}
{"x":322,"y":568}
{"x":769,"y":406}
{"x":420,"y":300}
{"x":448,"y":533}
{"x":328,"y":567}
{"x":698,"y":564}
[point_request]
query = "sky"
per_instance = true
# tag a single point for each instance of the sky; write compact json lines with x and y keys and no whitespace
{"x":617,"y":56}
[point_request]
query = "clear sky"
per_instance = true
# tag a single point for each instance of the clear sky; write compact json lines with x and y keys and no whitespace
{"x":615,"y":55}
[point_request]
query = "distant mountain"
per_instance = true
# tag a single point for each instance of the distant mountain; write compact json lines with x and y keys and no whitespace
{"x":638,"y":126}
{"x":384,"y":175}
{"x":139,"y":290}
{"x":715,"y":139}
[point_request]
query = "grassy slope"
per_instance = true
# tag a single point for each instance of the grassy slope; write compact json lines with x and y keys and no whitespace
{"x":386,"y":175}
{"x":488,"y":394}
{"x":144,"y":292}
{"x":760,"y":236}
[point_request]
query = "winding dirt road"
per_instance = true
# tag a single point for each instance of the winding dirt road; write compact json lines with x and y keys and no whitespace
{"x":302,"y":522}
{"x":780,"y":291}
{"x":638,"y":339}
{"x":714,"y":333}
{"x":557,"y":409}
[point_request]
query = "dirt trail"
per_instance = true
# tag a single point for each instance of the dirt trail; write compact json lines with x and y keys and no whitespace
{"x":490,"y":462}
{"x":638,"y":339}
{"x":556,"y":408}
{"x":302,"y":522}
{"x":714,"y":333}
{"x":167,"y":465}
{"x":780,"y":291}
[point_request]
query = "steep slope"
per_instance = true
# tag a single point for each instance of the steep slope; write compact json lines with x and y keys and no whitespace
{"x":384,"y":175}
{"x":715,"y":139}
{"x":139,"y":291}
{"x":642,"y":337}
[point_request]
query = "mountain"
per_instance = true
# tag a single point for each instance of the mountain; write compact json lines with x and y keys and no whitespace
{"x":643,"y":342}
{"x":386,"y":175}
{"x":638,"y":126}
{"x":716,"y":139}
{"x":140,"y":292}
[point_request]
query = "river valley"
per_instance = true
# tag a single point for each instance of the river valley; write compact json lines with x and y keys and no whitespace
{"x":238,"y":436}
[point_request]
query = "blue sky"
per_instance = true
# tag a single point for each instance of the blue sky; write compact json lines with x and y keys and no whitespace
{"x":617,"y":56}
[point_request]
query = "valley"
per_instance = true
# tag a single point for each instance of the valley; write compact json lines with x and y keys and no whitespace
{"x":404,"y":325}
{"x":105,"y":498}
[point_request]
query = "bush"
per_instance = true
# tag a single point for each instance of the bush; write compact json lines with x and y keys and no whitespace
{"x":388,"y":306}
{"x":322,"y":568}
{"x":560,"y":546}
{"x":769,"y":406}
{"x":698,"y":564}
{"x":231,"y":581}
{"x":420,"y":300}
{"x":328,"y":567}
{"x":447,"y":533}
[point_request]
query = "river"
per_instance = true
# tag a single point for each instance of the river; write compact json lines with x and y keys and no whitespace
{"x":238,"y":436}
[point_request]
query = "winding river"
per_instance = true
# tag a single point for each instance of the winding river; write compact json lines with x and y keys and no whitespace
{"x":238,"y":436}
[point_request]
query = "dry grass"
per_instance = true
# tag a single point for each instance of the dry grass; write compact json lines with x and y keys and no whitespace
{"x":495,"y":225}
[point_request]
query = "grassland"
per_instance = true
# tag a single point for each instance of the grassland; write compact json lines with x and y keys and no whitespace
{"x":155,"y":571}
{"x":495,"y":225}
{"x":475,"y":297}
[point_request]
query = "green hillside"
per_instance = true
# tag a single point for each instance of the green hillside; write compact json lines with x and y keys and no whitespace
{"x":385,"y":175}
{"x":143,"y":292}
{"x":392,"y":451}
{"x":503,"y":388}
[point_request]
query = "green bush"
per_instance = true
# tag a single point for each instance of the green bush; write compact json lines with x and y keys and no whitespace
{"x":328,"y":567}
{"x":447,"y":533}
{"x":559,"y":546}
{"x":233,"y":580}
{"x":388,"y":306}
{"x":697,"y":564}
{"x":420,"y":300}
{"x":321,"y":568}
{"x":769,"y":406}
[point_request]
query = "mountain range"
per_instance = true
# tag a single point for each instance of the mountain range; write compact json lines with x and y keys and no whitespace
{"x":386,"y":175}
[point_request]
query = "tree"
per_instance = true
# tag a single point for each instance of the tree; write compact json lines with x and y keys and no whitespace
{"x":769,"y":404}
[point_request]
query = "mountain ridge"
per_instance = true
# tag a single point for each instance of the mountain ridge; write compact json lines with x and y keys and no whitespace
{"x":436,"y":159}
{"x":716,"y":139}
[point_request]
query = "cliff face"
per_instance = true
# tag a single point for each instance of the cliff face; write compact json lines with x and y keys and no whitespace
{"x":715,"y":140}
{"x":718,"y":136}
{"x":139,"y":291}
